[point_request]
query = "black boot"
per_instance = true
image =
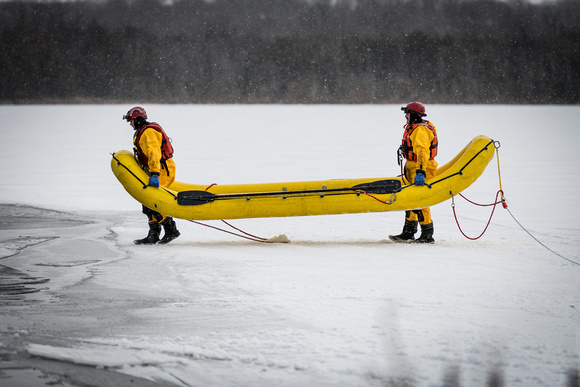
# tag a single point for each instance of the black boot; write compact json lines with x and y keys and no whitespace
{"x":408,"y":234}
{"x":170,"y":231}
{"x":152,"y":237}
{"x":426,"y":234}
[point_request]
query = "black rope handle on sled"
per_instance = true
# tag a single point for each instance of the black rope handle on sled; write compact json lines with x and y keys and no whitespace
{"x":460,"y":172}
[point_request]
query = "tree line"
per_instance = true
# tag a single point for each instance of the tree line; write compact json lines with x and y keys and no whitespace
{"x":290,"y":51}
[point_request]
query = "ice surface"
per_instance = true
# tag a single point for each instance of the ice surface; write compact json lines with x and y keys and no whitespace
{"x":338,"y":305}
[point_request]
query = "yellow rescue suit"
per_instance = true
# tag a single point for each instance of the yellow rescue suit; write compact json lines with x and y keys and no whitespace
{"x":421,"y":138}
{"x":150,"y":145}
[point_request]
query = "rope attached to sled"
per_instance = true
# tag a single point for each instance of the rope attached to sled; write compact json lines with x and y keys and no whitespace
{"x":391,"y":200}
{"x":496,"y":145}
{"x":505,"y":206}
{"x":494,"y":204}
{"x":243,"y":234}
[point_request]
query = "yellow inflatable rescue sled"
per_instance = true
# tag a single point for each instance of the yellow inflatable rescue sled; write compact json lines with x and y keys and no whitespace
{"x":326,"y":197}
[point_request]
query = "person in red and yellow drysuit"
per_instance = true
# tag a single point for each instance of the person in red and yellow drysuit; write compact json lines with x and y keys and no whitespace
{"x":154,"y":152}
{"x":419,"y":148}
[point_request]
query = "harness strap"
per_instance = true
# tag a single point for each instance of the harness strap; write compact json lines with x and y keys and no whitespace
{"x":164,"y":166}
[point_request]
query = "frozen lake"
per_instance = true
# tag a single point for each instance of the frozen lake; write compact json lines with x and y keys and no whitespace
{"x":338,"y":306}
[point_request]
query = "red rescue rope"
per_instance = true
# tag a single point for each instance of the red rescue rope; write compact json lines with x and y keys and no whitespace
{"x":376,"y":198}
{"x":246,"y":236}
{"x":259,"y":239}
{"x":494,"y":204}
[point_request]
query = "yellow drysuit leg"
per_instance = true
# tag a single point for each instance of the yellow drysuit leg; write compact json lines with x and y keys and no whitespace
{"x":423,"y":215}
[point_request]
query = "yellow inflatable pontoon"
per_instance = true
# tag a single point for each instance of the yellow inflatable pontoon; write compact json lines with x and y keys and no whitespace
{"x":342,"y":196}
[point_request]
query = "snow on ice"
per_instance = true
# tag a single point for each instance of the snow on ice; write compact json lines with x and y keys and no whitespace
{"x":339,"y":305}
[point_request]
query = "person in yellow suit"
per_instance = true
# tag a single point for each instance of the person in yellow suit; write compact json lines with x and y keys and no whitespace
{"x":154,"y":152}
{"x":419,"y":149}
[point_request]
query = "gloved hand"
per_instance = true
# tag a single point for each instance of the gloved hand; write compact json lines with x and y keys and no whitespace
{"x":154,"y":181}
{"x":420,"y":177}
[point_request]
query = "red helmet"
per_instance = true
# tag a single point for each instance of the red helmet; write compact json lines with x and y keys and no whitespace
{"x":135,"y":112}
{"x":415,"y":107}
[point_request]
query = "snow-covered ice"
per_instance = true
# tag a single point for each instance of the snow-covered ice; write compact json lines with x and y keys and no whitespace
{"x":338,"y":306}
